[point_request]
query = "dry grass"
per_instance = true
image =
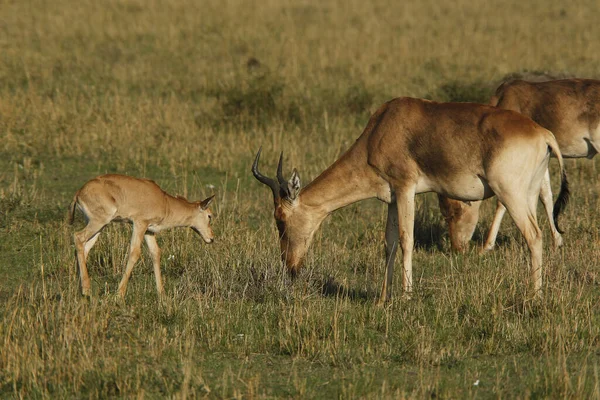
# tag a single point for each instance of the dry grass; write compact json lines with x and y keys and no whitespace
{"x":185,"y":92}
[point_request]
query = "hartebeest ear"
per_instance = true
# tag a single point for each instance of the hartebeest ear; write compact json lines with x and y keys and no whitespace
{"x":294,"y":185}
{"x":206,"y":202}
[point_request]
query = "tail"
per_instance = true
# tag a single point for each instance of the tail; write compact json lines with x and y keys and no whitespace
{"x":563,"y":196}
{"x":72,"y":210}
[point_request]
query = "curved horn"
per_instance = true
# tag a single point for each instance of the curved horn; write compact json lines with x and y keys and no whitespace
{"x":280,"y":178}
{"x":263,"y":179}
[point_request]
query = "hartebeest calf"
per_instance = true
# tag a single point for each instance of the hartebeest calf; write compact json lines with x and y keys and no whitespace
{"x":144,"y":204}
{"x":463,"y":151}
{"x":570,"y":108}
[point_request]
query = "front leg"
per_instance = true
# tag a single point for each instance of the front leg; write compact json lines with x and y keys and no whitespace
{"x":155,"y":253}
{"x":391,"y":246}
{"x":134,"y":254}
{"x":405,"y":204}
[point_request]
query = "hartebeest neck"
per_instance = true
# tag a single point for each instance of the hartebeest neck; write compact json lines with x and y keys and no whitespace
{"x":347,"y":181}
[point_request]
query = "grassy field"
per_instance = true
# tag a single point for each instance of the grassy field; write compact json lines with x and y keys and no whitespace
{"x":184,"y":92}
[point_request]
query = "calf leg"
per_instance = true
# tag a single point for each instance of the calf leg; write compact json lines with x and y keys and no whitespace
{"x":155,"y":253}
{"x":84,"y":241}
{"x":134,"y":254}
{"x":90,"y":244}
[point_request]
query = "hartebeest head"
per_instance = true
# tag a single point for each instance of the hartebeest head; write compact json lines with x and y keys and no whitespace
{"x":296,"y":225}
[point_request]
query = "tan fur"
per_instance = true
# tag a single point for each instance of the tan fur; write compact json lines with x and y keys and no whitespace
{"x":462,"y":151}
{"x":144,"y":204}
{"x":570,"y":108}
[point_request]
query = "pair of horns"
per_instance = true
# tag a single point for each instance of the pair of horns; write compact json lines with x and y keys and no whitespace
{"x":279,"y":186}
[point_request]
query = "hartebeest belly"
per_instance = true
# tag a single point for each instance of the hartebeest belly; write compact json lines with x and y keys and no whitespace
{"x":410,"y":146}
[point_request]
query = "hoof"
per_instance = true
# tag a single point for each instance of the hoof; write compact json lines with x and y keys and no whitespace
{"x":382,"y":302}
{"x":558,"y":242}
{"x":486,"y":249}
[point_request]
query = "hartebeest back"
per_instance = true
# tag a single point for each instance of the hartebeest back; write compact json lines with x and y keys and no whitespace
{"x":570,"y":108}
{"x":460,"y":150}
{"x":144,"y":204}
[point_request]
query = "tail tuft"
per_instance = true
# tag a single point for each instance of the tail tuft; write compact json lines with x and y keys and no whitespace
{"x":562,"y":200}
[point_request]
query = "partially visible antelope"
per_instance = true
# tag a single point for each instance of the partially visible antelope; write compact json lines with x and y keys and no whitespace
{"x":463,"y":151}
{"x":570,"y":108}
{"x":141,"y":202}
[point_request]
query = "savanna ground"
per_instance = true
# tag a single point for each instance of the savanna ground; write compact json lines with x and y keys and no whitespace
{"x":184,"y":92}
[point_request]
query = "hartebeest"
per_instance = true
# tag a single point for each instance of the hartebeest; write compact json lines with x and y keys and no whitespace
{"x":460,"y":150}
{"x":141,"y":202}
{"x":570,"y":108}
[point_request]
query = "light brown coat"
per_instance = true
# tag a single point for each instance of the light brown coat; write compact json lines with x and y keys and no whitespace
{"x":462,"y":151}
{"x":141,"y":202}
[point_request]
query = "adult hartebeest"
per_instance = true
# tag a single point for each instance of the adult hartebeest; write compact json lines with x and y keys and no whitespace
{"x":142,"y":202}
{"x":570,"y":108}
{"x":460,"y":150}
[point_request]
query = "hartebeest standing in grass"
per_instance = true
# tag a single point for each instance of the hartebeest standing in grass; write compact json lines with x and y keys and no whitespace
{"x":144,"y":204}
{"x":460,"y":150}
{"x":570,"y":108}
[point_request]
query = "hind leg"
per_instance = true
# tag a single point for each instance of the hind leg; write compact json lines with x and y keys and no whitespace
{"x":546,"y":197}
{"x":84,"y":241}
{"x":522,"y":209}
{"x":90,"y":244}
{"x":490,"y":241}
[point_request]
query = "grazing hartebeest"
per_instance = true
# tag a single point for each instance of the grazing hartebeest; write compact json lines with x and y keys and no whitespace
{"x":460,"y":150}
{"x":143,"y":203}
{"x":570,"y":108}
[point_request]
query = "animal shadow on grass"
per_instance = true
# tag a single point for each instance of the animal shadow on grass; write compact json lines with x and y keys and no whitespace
{"x":429,"y":233}
{"x":331,"y":288}
{"x":432,"y":234}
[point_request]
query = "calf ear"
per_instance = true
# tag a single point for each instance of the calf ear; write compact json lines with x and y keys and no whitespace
{"x":294,"y":185}
{"x":206,"y":202}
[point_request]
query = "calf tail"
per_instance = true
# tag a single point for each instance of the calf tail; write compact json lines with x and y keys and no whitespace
{"x":72,"y":210}
{"x":563,"y":196}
